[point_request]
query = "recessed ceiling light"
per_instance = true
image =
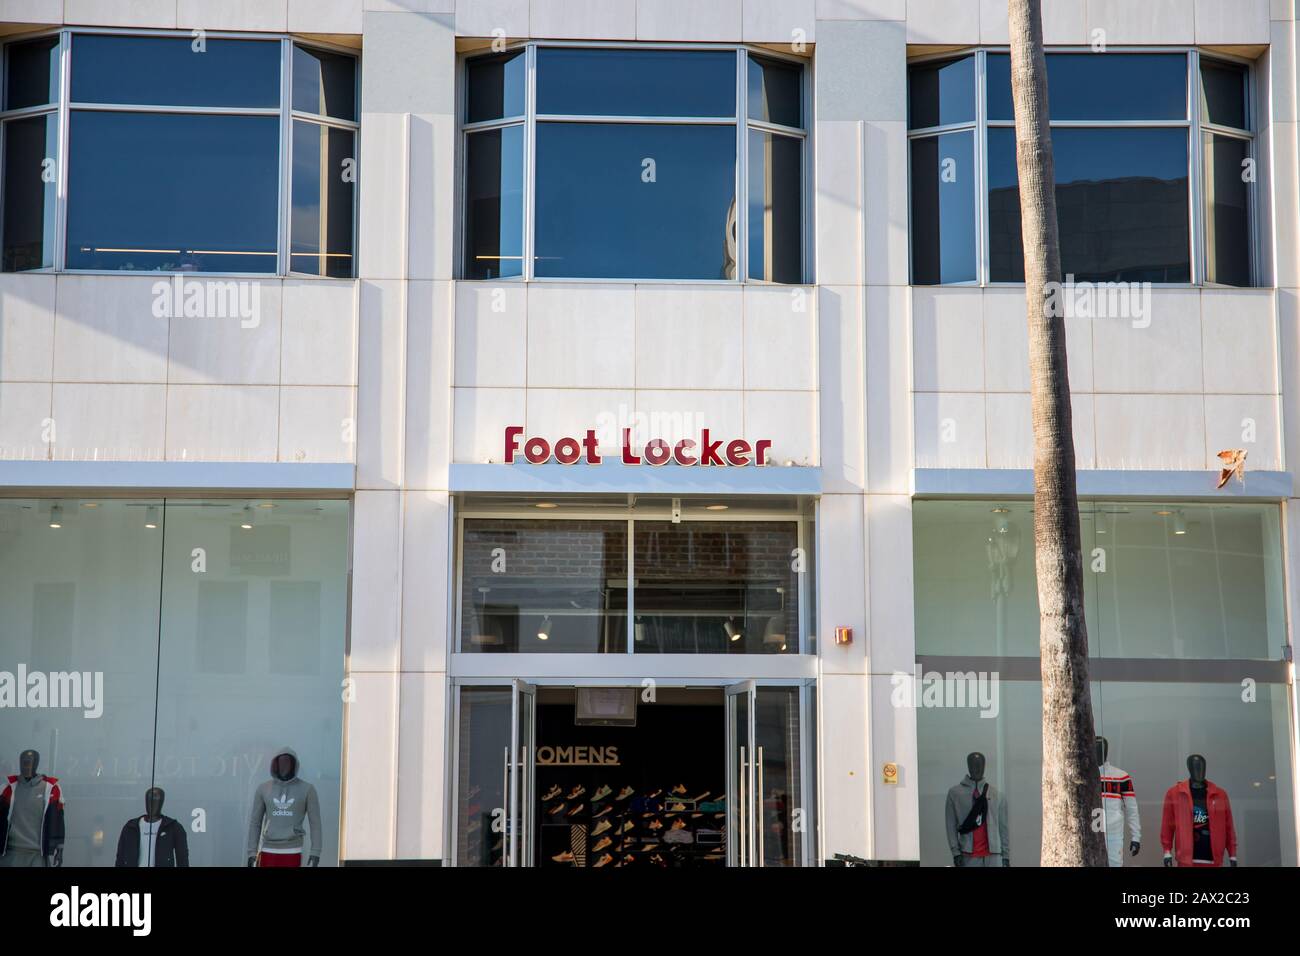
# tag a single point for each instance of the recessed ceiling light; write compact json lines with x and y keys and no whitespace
{"x":1164,"y":514}
{"x":266,"y":504}
{"x":716,"y":507}
{"x":1001,"y":511}
{"x":546,"y":504}
{"x":90,"y":504}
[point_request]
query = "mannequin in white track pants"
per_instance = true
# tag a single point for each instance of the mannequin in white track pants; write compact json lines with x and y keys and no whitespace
{"x":1119,"y":804}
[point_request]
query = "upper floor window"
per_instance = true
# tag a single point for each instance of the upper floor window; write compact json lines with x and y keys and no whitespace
{"x":178,"y":153}
{"x":1152,"y":184}
{"x":648,"y":163}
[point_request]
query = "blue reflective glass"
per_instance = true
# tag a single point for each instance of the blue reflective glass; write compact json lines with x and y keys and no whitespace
{"x":1227,"y":210}
{"x":636,"y":201}
{"x":775,"y":91}
{"x":30,"y":146}
{"x":320,"y":224}
{"x":775,"y":207}
{"x":636,"y":82}
{"x":175,"y":71}
{"x":494,"y":203}
{"x":1121,"y":205}
{"x":495,"y":87}
{"x":1100,"y":86}
{"x":941,"y":93}
{"x":1223,"y":94}
{"x":173,"y":191}
{"x":324,"y":83}
{"x":943,"y":208}
{"x":31,"y":73}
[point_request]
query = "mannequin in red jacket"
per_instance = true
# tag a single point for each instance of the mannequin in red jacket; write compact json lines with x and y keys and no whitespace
{"x":1197,"y":825}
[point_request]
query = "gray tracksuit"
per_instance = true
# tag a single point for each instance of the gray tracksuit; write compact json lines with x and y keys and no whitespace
{"x":960,"y":799}
{"x":279,"y":807}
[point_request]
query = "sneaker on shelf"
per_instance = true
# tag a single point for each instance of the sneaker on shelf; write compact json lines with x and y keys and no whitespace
{"x":565,"y":857}
{"x":601,"y":827}
{"x":601,"y":844}
{"x":605,"y":860}
{"x":576,"y":792}
{"x":552,"y":793}
{"x":576,"y":810}
{"x":601,"y":793}
{"x":625,"y":793}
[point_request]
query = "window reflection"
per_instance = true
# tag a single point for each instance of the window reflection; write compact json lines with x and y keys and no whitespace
{"x":633,"y":199}
{"x":1121,"y":203}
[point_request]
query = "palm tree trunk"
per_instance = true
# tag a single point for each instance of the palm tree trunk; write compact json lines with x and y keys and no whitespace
{"x":1071,"y":782}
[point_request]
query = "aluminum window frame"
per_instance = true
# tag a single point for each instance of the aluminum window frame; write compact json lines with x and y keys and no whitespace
{"x":1191,"y":122}
{"x":284,"y":111}
{"x":740,"y":120}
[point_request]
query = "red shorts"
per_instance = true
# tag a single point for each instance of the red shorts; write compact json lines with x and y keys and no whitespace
{"x":279,"y":859}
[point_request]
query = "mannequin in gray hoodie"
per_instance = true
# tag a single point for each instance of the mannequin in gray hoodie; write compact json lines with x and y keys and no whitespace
{"x":993,"y":822}
{"x":279,"y":807}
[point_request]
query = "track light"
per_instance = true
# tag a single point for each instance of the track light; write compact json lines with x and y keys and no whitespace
{"x":246,"y":520}
{"x":56,"y":516}
{"x":151,"y":517}
{"x":733,"y":632}
{"x":1180,"y":523}
{"x":544,"y":632}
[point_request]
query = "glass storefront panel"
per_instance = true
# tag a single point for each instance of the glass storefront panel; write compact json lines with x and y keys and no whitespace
{"x":252,"y":662}
{"x":1151,"y":729}
{"x":201,"y":663}
{"x":79,"y":592}
{"x":1161,"y":581}
{"x":544,"y":586}
{"x":716,"y":587}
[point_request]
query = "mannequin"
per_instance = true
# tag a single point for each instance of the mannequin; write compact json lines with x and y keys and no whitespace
{"x":1118,"y":804}
{"x":275,"y":829}
{"x":153,"y":839}
{"x":976,"y":819}
{"x":31,"y":816}
{"x":1196,"y":828}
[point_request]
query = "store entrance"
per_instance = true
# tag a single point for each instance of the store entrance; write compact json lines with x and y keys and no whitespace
{"x":619,"y":776}
{"x":621,"y":785}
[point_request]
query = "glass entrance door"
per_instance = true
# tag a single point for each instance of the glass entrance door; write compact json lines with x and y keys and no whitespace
{"x":742,"y":849}
{"x":496,"y":726}
{"x":521,"y":772}
{"x":770,"y":821}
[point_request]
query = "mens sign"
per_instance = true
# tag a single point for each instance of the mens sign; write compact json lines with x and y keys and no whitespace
{"x":705,"y":452}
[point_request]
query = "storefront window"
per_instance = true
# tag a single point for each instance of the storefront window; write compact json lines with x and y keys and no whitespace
{"x":1186,"y":633}
{"x":1151,"y":729}
{"x":544,"y":586}
{"x":697,"y":587}
{"x":1166,"y":581}
{"x":245,"y":661}
{"x":716,"y":588}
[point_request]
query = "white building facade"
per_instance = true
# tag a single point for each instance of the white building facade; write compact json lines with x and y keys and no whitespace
{"x":553,"y":418}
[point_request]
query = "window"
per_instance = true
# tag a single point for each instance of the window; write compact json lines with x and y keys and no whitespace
{"x":1185,"y":607}
{"x":1145,"y":192}
{"x":648,"y":585}
{"x":200,"y":676}
{"x":179,"y":154}
{"x":655,"y":163}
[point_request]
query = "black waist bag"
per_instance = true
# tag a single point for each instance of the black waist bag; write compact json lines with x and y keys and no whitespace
{"x":977,"y":812}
